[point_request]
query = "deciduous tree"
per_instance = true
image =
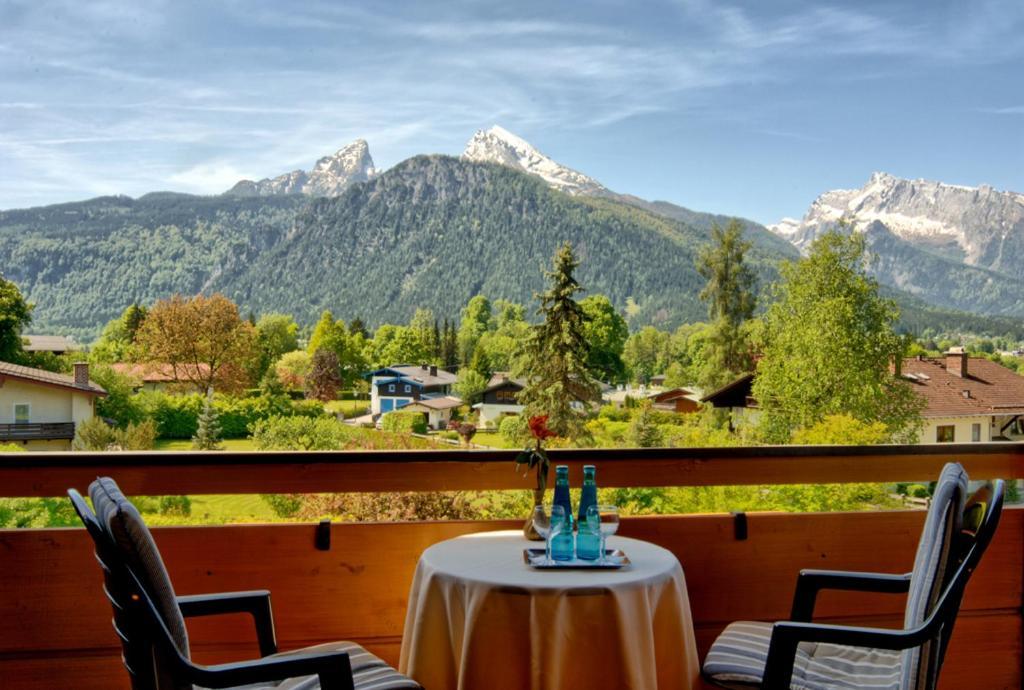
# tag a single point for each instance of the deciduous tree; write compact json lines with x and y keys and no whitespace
{"x":15,"y":314}
{"x":730,"y":297}
{"x":202,"y":339}
{"x":606,"y":332}
{"x":324,"y":377}
{"x":830,"y":347}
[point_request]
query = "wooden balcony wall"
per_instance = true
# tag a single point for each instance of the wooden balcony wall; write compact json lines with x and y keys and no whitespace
{"x":54,"y":622}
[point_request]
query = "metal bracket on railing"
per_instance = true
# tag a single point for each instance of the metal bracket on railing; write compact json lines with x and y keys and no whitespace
{"x":323,"y":535}
{"x":739,"y":526}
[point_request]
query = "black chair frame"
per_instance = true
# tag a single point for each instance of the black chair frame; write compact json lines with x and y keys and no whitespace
{"x":787,"y":635}
{"x":145,"y":636}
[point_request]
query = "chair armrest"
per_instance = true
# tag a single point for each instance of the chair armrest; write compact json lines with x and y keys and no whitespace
{"x":810,"y":582}
{"x":787,"y":635}
{"x":333,"y":669}
{"x":255,"y":603}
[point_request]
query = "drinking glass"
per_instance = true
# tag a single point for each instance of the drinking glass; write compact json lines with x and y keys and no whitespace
{"x":608,"y":517}
{"x":549,"y":521}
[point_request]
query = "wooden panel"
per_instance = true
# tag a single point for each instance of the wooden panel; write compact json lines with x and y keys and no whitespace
{"x":161,"y":473}
{"x":54,"y":622}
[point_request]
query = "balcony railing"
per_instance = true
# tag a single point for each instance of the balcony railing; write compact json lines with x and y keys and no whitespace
{"x":54,"y":621}
{"x":45,"y":431}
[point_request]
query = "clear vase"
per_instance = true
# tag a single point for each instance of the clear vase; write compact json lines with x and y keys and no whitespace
{"x":528,"y":531}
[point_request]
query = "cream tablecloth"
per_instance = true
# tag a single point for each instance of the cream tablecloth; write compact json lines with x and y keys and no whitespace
{"x":479,"y":617}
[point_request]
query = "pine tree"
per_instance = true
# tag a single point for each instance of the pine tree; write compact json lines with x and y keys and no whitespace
{"x":358,"y":327}
{"x":208,"y":431}
{"x":555,"y":365}
{"x":436,"y":343}
{"x":729,"y":294}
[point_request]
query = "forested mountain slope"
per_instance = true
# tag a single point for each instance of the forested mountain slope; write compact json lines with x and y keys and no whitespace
{"x":435,"y":230}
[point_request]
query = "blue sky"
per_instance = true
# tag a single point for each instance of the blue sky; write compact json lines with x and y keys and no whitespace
{"x":746,"y":108}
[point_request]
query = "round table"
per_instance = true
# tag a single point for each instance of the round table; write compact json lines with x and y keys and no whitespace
{"x":479,"y":617}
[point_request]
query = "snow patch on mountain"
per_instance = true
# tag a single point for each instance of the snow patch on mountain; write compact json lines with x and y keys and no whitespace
{"x":498,"y":145}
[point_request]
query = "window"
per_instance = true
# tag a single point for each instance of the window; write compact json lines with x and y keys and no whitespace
{"x":945,"y":434}
{"x":975,"y":432}
{"x":391,"y":388}
{"x":22,"y":413}
{"x":408,"y":388}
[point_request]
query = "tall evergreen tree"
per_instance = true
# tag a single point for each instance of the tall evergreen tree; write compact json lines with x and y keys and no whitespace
{"x":436,"y":343}
{"x":555,"y":365}
{"x":449,"y":345}
{"x":133,"y":317}
{"x":731,"y":299}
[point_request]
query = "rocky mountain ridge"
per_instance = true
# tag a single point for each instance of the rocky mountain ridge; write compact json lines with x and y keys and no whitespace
{"x":976,"y":226}
{"x":330,"y":176}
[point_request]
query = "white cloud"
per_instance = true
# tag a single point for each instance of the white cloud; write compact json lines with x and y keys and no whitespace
{"x":208,"y":178}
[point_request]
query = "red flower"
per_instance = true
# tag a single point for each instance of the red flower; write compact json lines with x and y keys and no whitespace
{"x":539,"y":428}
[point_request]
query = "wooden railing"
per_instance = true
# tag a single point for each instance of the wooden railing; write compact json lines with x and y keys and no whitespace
{"x":56,"y":431}
{"x":54,"y":621}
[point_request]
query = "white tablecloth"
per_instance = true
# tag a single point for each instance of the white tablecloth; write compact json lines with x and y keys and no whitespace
{"x":479,"y":617}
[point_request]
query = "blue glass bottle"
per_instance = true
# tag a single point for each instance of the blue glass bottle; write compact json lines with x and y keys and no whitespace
{"x":588,"y":539}
{"x":562,"y":544}
{"x":589,"y":496}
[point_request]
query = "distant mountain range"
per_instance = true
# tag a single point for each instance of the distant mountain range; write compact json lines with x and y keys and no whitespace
{"x":434,"y":230}
{"x":959,"y":247}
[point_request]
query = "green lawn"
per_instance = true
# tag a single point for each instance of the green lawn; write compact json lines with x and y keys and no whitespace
{"x":350,"y":408}
{"x":216,"y":508}
{"x":184,"y":444}
{"x":492,"y":439}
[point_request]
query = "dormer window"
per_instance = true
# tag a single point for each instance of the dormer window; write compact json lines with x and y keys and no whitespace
{"x":391,"y":388}
{"x":408,"y":388}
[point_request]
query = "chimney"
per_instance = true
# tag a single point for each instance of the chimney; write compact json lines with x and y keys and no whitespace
{"x":956,"y":362}
{"x":433,"y":370}
{"x":423,"y":367}
{"x":967,"y":393}
{"x":82,"y":374}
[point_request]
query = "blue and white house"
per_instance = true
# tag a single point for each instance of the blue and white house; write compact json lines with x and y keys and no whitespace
{"x":394,"y":387}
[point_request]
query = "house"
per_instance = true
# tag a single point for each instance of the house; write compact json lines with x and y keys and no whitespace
{"x":968,"y":399}
{"x":157,"y":376}
{"x":657,"y":381}
{"x":438,"y":411}
{"x":500,"y":400}
{"x":736,"y":397}
{"x":679,"y":400}
{"x":40,"y":409}
{"x":394,"y":387}
{"x":55,"y":344}
{"x":617,"y":396}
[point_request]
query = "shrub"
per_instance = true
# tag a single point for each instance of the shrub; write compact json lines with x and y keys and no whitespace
{"x":918,"y":491}
{"x":283,"y":505}
{"x":404,"y":422}
{"x":96,"y":435}
{"x":299,"y":433}
{"x":514,"y":431}
{"x":180,"y":506}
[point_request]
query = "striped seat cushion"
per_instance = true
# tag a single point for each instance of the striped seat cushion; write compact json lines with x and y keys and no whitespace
{"x":369,"y":672}
{"x":738,"y":656}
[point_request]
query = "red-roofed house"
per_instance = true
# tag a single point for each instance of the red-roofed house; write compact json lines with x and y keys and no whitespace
{"x":157,"y":376}
{"x":40,"y":409}
{"x":968,"y":399}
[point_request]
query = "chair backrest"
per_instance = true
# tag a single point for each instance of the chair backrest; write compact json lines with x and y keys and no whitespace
{"x":130,"y":556}
{"x":136,"y":648}
{"x":934,"y":564}
{"x":981,"y":518}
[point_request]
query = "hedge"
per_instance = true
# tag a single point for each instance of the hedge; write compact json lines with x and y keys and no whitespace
{"x":404,"y":422}
{"x":177,"y":416}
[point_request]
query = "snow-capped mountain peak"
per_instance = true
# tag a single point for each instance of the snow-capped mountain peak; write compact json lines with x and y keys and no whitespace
{"x":979,"y":226}
{"x":330,"y":175}
{"x":498,"y":145}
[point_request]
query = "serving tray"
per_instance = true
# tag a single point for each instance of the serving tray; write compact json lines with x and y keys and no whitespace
{"x":613,"y":560}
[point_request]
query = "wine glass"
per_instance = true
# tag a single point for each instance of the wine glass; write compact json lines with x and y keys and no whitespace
{"x":608,"y":518}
